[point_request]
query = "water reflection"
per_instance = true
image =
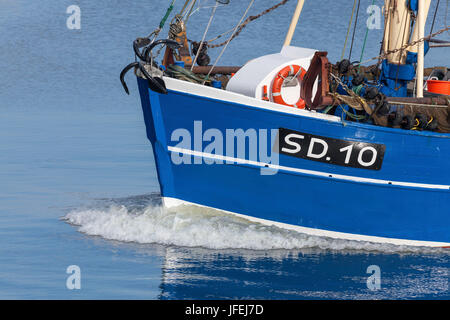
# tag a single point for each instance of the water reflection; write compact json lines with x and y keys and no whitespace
{"x":196,"y":273}
{"x":305,"y":268}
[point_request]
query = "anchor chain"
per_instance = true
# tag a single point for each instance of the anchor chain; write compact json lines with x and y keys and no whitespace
{"x":385,"y":54}
{"x":241,"y":26}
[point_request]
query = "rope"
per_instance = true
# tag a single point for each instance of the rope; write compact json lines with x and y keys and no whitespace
{"x":243,"y":25}
{"x":354,"y":29}
{"x":446,"y":13}
{"x":356,"y":98}
{"x":156,"y":32}
{"x":204,"y":34}
{"x":359,"y":103}
{"x":184,"y":7}
{"x":434,"y":17}
{"x":348,"y":29}
{"x":220,"y":35}
{"x":190,"y":12}
{"x":365,"y":38}
{"x":351,"y":115}
{"x":228,"y":41}
{"x":169,"y":10}
{"x":385,"y":54}
{"x":183,"y":74}
{"x":419,"y":104}
{"x":200,"y":7}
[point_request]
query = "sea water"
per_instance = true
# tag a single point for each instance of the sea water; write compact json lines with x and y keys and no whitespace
{"x":78,"y":186}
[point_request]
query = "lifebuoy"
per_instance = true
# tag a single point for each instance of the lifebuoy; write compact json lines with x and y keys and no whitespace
{"x":287,"y":71}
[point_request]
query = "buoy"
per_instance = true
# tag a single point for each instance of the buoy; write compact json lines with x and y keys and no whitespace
{"x":438,"y":86}
{"x":288,"y":71}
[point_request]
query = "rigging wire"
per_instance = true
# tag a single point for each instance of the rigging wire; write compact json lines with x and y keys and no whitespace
{"x":188,"y":14}
{"x":184,"y":7}
{"x":204,"y":34}
{"x":434,"y":17}
{"x":169,"y":10}
{"x":385,"y":54}
{"x":348,"y":30}
{"x":354,"y":29}
{"x":244,"y":24}
{"x":229,"y":39}
{"x":156,"y":32}
{"x":446,"y":13}
{"x":192,"y":11}
{"x":365,"y":38}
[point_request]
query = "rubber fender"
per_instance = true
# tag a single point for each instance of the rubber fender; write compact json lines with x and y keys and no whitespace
{"x":407,"y":122}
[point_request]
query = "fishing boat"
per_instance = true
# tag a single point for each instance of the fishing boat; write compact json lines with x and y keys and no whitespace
{"x":344,"y":150}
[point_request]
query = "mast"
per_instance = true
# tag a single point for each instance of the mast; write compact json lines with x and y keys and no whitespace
{"x":421,"y":16}
{"x":396,"y":30}
{"x":294,"y":21}
{"x":399,"y":67}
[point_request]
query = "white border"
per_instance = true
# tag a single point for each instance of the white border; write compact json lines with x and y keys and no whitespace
{"x":309,"y":172}
{"x":245,"y":101}
{"x":218,"y":94}
{"x":174,"y":202}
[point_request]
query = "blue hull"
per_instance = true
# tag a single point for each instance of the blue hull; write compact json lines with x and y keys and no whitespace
{"x":407,"y":198}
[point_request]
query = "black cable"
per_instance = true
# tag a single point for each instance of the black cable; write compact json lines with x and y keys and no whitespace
{"x":434,"y":17}
{"x":354,"y":29}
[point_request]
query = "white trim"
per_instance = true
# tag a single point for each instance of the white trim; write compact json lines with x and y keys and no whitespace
{"x":174,"y":202}
{"x":308,"y":172}
{"x":227,"y":96}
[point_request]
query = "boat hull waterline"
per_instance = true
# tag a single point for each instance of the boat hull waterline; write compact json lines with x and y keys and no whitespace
{"x":350,"y":181}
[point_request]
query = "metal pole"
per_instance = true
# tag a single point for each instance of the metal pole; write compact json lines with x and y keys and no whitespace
{"x":420,"y":53}
{"x":290,"y":33}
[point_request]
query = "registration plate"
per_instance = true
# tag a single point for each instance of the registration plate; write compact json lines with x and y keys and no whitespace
{"x":347,"y":153}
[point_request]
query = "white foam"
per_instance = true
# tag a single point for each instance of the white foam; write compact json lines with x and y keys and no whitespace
{"x":191,"y":226}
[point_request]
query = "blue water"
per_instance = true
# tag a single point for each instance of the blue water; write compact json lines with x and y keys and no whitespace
{"x":78,"y":184}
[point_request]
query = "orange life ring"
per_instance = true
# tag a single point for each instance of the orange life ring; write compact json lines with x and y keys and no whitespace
{"x":278,"y":83}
